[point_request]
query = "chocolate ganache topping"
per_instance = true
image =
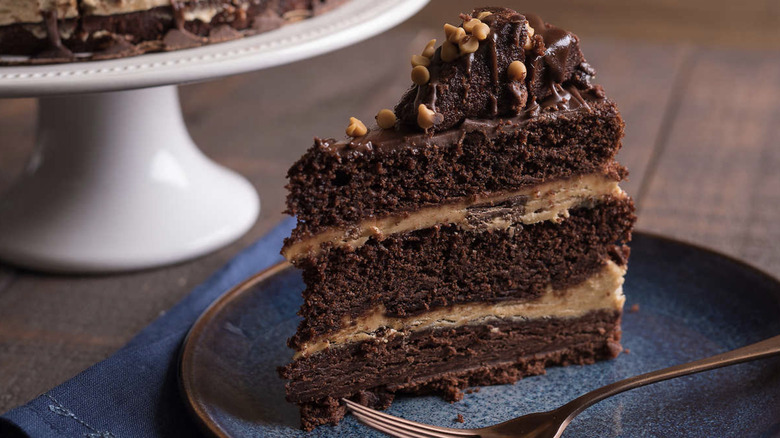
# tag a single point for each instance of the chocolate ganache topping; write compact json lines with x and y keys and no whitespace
{"x":467,"y":81}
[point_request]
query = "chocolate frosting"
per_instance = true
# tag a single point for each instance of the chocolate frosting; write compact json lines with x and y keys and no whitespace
{"x":561,"y":98}
{"x":476,"y":85}
{"x":555,"y":59}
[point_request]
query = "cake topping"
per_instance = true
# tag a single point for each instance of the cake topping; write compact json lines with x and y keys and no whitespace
{"x":556,"y":59}
{"x":429,"y":49}
{"x":454,"y":34}
{"x":420,"y":75}
{"x":356,"y":128}
{"x":481,"y":31}
{"x":449,"y":52}
{"x":418,"y":60}
{"x":516,"y":71}
{"x":529,"y":42}
{"x":426,"y":118}
{"x":385,"y":119}
{"x":470,"y":24}
{"x":469,"y":44}
{"x":471,"y":84}
{"x":499,"y":63}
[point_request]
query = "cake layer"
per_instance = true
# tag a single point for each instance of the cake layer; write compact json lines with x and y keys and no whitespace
{"x":547,"y":201}
{"x":445,"y":361}
{"x":602,"y":291}
{"x":411,"y":273}
{"x":386,"y":172}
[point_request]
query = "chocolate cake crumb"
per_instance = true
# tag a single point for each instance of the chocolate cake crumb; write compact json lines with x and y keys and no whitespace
{"x":459,"y":419}
{"x":314,"y":382}
{"x":492,"y":267}
{"x":336,"y":184}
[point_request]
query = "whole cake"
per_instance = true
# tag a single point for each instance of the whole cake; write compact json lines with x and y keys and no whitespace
{"x":475,"y":236}
{"x":66,"y":30}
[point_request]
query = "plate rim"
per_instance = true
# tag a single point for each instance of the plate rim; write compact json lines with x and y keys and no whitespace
{"x":185,"y":358}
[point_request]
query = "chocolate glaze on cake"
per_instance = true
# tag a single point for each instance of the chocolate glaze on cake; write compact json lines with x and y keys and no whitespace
{"x":477,"y":237}
{"x":477,"y":86}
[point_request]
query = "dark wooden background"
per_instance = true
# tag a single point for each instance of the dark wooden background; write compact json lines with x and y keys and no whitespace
{"x":698,"y":83}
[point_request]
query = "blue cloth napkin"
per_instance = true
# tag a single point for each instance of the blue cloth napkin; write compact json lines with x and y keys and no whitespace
{"x":134,"y":393}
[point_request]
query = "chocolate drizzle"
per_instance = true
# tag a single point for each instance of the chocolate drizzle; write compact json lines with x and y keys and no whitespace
{"x":476,"y":86}
{"x":56,"y":49}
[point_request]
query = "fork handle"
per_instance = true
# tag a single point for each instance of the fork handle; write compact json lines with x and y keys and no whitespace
{"x":759,"y":350}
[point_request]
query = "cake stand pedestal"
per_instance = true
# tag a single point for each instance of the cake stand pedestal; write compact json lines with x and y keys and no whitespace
{"x":116,"y":183}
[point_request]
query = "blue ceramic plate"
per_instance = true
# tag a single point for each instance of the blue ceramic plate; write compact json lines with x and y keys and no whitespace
{"x":692,"y":302}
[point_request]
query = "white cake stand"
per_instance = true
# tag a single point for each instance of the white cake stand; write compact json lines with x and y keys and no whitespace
{"x":116,"y":182}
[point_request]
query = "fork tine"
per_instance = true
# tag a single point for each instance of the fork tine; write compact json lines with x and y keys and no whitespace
{"x":412,"y":426}
{"x":398,"y":433}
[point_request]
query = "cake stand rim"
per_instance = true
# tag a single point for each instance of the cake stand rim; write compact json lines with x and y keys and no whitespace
{"x":345,"y":25}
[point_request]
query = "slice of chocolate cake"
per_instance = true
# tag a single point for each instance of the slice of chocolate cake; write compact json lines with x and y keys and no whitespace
{"x":476,"y":236}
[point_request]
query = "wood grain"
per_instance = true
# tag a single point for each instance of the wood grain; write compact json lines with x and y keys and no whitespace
{"x":717,"y":181}
{"x":701,"y":153}
{"x":754,"y":24}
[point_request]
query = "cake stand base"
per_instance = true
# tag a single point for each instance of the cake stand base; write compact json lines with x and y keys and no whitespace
{"x":116,"y":183}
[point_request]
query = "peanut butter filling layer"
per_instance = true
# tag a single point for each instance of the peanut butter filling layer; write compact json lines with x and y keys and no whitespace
{"x":29,"y":11}
{"x":112,"y":7}
{"x":602,"y":291}
{"x":543,"y":202}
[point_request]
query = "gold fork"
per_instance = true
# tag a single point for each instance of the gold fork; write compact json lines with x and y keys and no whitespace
{"x":552,"y":423}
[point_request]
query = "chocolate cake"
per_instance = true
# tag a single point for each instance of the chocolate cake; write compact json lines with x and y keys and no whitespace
{"x":67,"y":30}
{"x":477,"y":235}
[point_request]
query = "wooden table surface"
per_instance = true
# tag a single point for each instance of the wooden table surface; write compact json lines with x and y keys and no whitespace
{"x":698,"y":85}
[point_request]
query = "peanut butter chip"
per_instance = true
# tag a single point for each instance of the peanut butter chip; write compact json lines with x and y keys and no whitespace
{"x":449,"y":52}
{"x":470,"y":44}
{"x":454,"y":34}
{"x":448,"y":30}
{"x":356,"y":128}
{"x":458,"y":35}
{"x":385,"y":119}
{"x":426,"y":118}
{"x":484,"y":14}
{"x":529,"y":41}
{"x":469,"y":25}
{"x":429,"y":49}
{"x":516,"y":71}
{"x":418,"y":60}
{"x":481,"y":31}
{"x":421,"y":75}
{"x":531,"y":31}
